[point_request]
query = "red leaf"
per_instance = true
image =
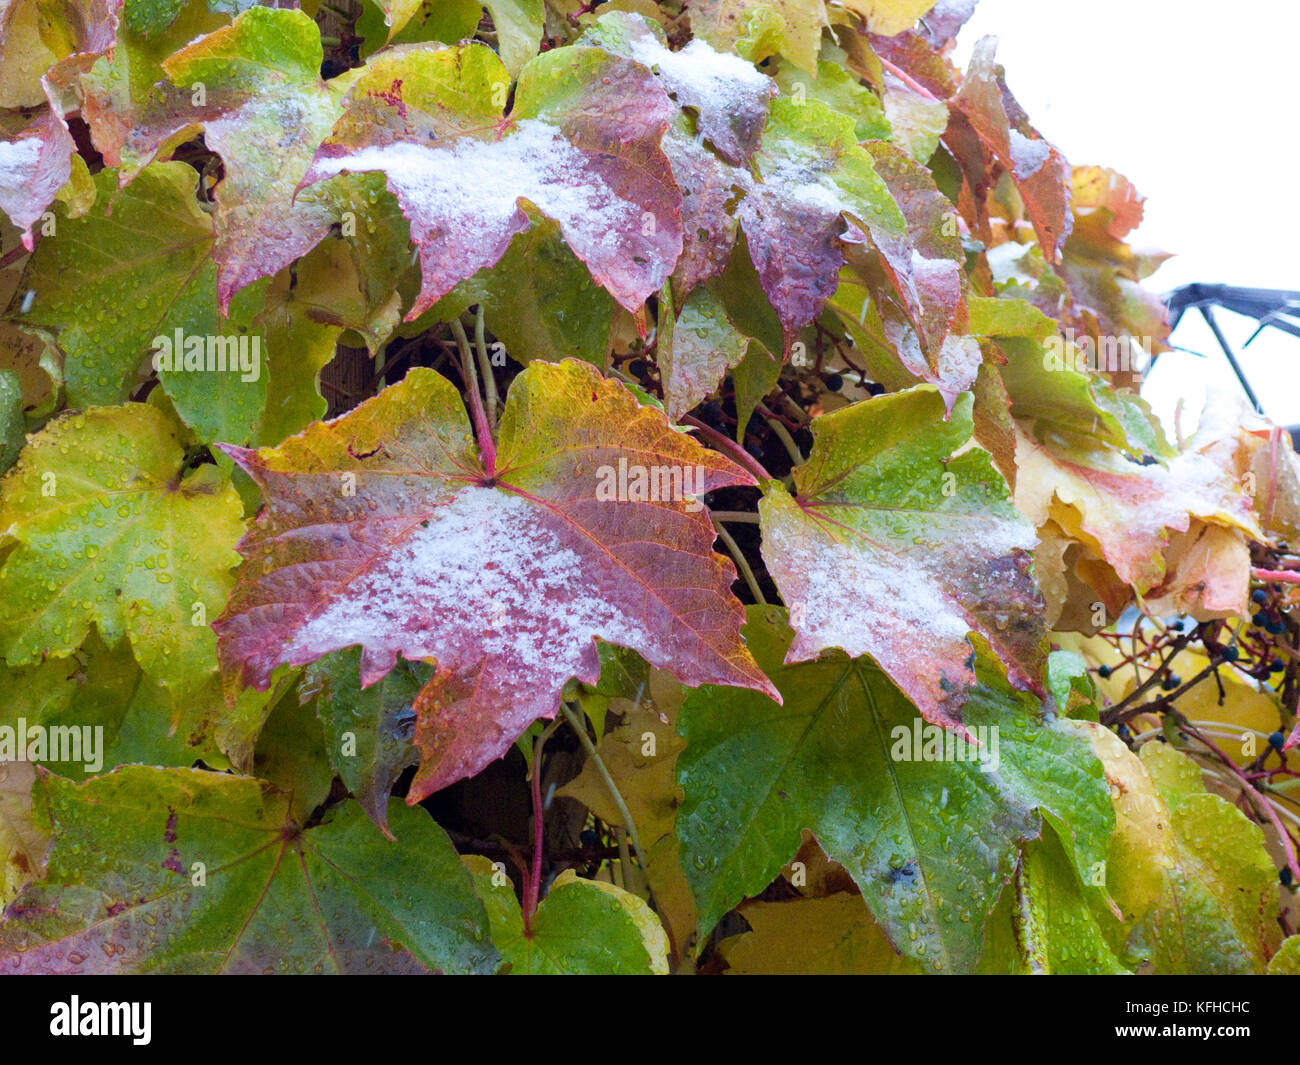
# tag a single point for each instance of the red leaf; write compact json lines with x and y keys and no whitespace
{"x":506,"y":582}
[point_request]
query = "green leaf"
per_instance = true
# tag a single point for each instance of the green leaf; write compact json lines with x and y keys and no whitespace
{"x":109,"y":284}
{"x":929,"y":842}
{"x":519,"y":30}
{"x":1058,"y":927}
{"x":113,"y":530}
{"x":368,"y":731}
{"x":582,"y":927}
{"x":12,"y":423}
{"x":895,"y":545}
{"x":120,"y":894}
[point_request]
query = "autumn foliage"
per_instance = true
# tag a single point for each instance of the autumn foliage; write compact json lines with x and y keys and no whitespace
{"x":609,"y":488}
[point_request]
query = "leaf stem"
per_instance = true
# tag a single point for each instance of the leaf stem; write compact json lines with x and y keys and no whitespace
{"x":485,"y":366}
{"x":486,"y":444}
{"x":725,"y":444}
{"x":579,"y":726}
{"x":907,"y":79}
{"x":782,"y":434}
{"x":1281,"y":575}
{"x":533,"y":888}
{"x":741,"y":563}
{"x":734,"y":515}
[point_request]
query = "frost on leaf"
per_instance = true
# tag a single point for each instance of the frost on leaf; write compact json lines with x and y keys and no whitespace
{"x":729,"y":97}
{"x":894,"y":546}
{"x":382,"y":529}
{"x":581,"y":145}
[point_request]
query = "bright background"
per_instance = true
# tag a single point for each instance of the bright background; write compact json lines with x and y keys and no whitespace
{"x":1196,"y":103}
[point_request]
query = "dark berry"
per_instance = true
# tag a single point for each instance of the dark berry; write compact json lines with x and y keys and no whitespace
{"x":1230,"y":654}
{"x":834,"y":382}
{"x":1171,"y":682}
{"x":1284,"y":875}
{"x":1275,"y":740}
{"x":1258,"y":618}
{"x":1259,"y":596}
{"x":1274,"y":627}
{"x":1277,"y":666}
{"x":589,"y":838}
{"x":1124,"y":732}
{"x":1103,"y":672}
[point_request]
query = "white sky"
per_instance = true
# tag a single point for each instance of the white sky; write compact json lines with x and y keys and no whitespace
{"x":1196,"y":103}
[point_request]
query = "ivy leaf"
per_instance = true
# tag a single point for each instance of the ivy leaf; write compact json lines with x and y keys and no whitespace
{"x":538,"y":300}
{"x":383,"y":529}
{"x":757,"y":30}
{"x":1194,"y":883}
{"x":413,"y":21}
{"x":22,"y":838}
{"x":582,"y":927}
{"x":1058,"y":928}
{"x":276,"y":898}
{"x":519,"y":30}
{"x":1127,"y":514}
{"x":157,"y":245}
{"x":696,"y":349}
{"x":729,"y":97}
{"x":368,"y":731}
{"x":897,"y":547}
{"x":889,"y":17}
{"x":112,"y":529}
{"x":1038,"y":169}
{"x":929,"y":839}
{"x":831,"y":936}
{"x":264,"y":109}
{"x":581,"y":145}
{"x":36,"y":147}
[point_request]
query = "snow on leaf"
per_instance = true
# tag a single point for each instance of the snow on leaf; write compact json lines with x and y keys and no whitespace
{"x":581,"y":145}
{"x":729,"y":96}
{"x":128,"y":540}
{"x":896,"y":547}
{"x":333,"y":898}
{"x":382,"y":529}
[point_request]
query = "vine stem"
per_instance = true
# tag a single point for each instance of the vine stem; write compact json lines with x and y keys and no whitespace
{"x":1259,"y":800}
{"x":486,"y":443}
{"x":485,"y":365}
{"x":782,"y":434}
{"x":741,"y":563}
{"x":579,"y":727}
{"x":907,"y":79}
{"x":533,"y":889}
{"x":730,"y":447}
{"x":1283,"y":575}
